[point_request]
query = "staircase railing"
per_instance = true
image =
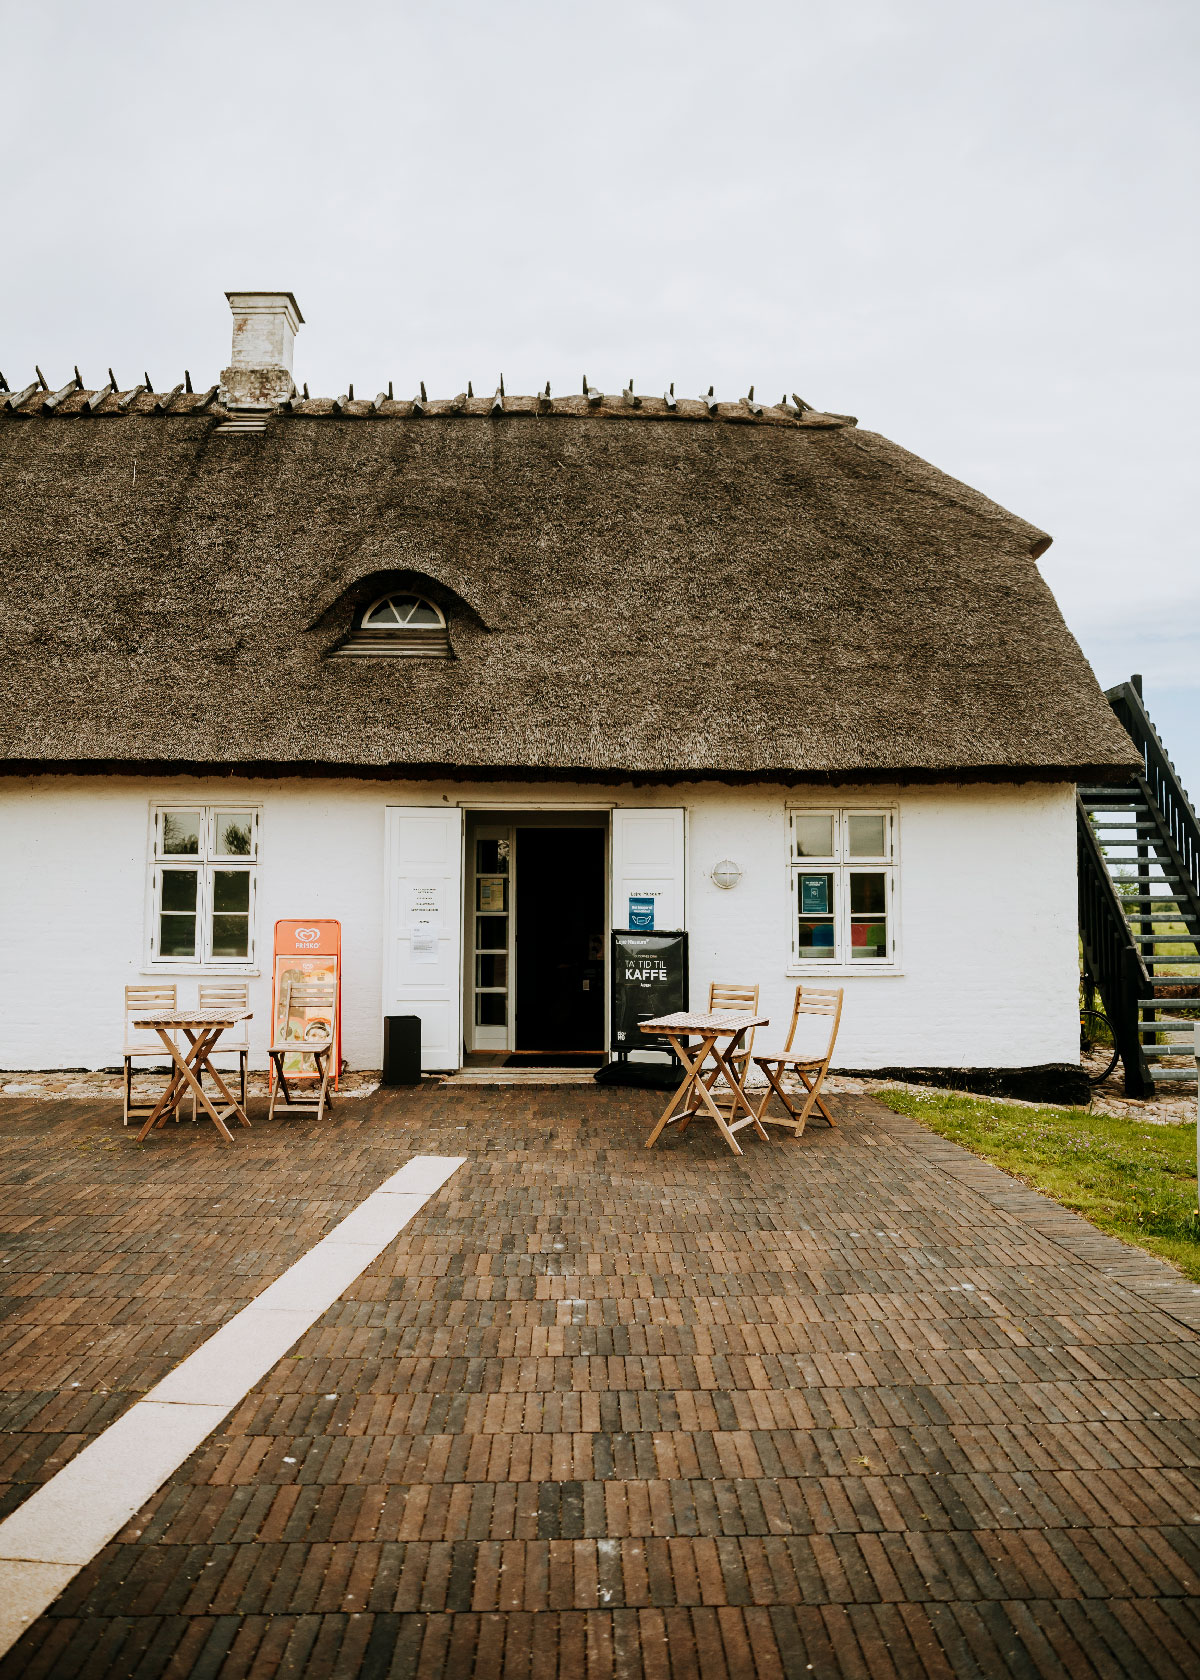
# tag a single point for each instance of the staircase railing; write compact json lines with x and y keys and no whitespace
{"x":1182,"y":828}
{"x":1111,"y":960}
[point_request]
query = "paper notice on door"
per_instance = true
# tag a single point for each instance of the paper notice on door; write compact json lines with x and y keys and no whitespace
{"x":424,"y":920}
{"x":423,"y":945}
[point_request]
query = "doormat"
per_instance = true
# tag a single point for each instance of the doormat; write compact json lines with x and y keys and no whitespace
{"x":552,"y":1059}
{"x":646,"y":1076}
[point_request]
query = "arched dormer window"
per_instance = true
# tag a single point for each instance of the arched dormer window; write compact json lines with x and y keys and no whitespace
{"x":398,"y":626}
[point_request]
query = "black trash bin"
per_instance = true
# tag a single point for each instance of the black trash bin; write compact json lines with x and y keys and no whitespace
{"x":401,"y":1050}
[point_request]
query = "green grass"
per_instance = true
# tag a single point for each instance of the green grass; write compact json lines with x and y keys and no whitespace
{"x":1132,"y":1179}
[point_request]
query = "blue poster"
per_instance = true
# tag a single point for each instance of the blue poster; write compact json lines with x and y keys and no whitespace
{"x":641,"y":915}
{"x":814,"y":895}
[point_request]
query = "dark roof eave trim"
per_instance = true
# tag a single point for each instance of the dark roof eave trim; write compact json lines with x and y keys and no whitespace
{"x":262,"y":770}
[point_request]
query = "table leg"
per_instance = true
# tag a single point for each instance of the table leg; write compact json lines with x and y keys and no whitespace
{"x":691,"y":1077}
{"x":200,"y":1048}
{"x":740,"y":1099}
{"x":704,"y":1093}
{"x":695,"y":1085}
{"x":173,"y":1094}
{"x":235,"y":1107}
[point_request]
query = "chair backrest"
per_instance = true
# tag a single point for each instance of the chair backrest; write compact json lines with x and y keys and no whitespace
{"x":725,"y":994}
{"x":227,"y":994}
{"x":217,"y":994}
{"x":819,"y":1001}
{"x":163,"y":994}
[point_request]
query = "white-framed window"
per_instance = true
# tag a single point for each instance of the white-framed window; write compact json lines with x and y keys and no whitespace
{"x":404,"y":626}
{"x":842,"y":884}
{"x":203,"y":864}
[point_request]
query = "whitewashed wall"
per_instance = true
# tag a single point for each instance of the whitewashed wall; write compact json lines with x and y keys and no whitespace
{"x":987,"y":905}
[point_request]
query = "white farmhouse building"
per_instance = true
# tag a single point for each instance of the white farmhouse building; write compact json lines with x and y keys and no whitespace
{"x":522,"y":660}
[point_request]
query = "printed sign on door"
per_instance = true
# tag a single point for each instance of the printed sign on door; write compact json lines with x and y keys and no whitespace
{"x":425,"y":920}
{"x":641,"y":914}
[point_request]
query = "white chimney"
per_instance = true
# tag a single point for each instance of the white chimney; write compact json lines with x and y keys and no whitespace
{"x":264,"y":330}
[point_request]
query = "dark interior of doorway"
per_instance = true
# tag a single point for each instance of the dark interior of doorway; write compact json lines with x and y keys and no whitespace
{"x":560,"y":945}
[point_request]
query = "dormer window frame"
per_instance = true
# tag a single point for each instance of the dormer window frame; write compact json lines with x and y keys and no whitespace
{"x":401,"y":639}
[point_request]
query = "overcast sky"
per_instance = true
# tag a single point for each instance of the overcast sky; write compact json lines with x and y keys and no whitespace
{"x":972,"y":226}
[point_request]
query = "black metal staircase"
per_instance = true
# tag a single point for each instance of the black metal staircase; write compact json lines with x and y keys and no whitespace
{"x":1139,"y":907}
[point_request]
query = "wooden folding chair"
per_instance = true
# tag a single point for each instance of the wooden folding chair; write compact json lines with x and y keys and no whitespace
{"x":162,"y":995}
{"x":725,"y":995}
{"x":304,"y":1095}
{"x":232,"y":994}
{"x":810,"y":1070}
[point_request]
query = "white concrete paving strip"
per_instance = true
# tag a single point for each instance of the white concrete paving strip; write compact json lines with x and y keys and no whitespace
{"x":63,"y":1525}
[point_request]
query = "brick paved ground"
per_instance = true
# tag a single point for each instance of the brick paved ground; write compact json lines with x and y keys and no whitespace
{"x":859,"y":1403}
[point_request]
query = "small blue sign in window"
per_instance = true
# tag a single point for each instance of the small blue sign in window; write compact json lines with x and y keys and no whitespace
{"x":814,"y":895}
{"x":641,"y":915}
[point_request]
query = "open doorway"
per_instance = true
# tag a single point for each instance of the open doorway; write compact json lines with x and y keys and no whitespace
{"x":560,"y":941}
{"x":536,"y":937}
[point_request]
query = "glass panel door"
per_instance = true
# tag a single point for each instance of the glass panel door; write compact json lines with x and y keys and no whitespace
{"x":490,"y":936}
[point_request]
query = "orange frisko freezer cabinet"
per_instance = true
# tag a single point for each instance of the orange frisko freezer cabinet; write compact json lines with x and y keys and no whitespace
{"x":306,"y":951}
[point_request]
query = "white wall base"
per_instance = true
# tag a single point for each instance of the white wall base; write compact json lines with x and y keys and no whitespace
{"x":987,"y":889}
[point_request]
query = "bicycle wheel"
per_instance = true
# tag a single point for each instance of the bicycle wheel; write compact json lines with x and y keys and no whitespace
{"x":1095,"y":1032}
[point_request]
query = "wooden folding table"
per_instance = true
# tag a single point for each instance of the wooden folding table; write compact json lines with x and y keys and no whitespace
{"x":706,"y":1065}
{"x":202,"y":1028}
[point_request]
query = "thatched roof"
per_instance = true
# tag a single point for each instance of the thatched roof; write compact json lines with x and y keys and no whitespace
{"x":631,"y":591}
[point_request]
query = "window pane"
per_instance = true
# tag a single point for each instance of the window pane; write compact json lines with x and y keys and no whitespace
{"x":491,"y":857}
{"x":177,"y":924}
{"x":812,"y":836}
{"x":179,"y":889}
{"x":491,"y":933}
{"x":491,"y":971}
{"x":231,"y":936}
{"x":181,"y":831}
{"x":868,"y":893}
{"x":384,"y":613}
{"x":491,"y":1009}
{"x":867,"y":835}
{"x":868,"y":915}
{"x":817,"y":938}
{"x":231,"y":890}
{"x":235,"y":833}
{"x":869,"y":939}
{"x":491,"y":894}
{"x":422,"y":613}
{"x":176,"y":936}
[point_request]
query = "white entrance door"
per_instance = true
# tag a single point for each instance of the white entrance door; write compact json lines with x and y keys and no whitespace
{"x":648,"y":867}
{"x":422,"y":967}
